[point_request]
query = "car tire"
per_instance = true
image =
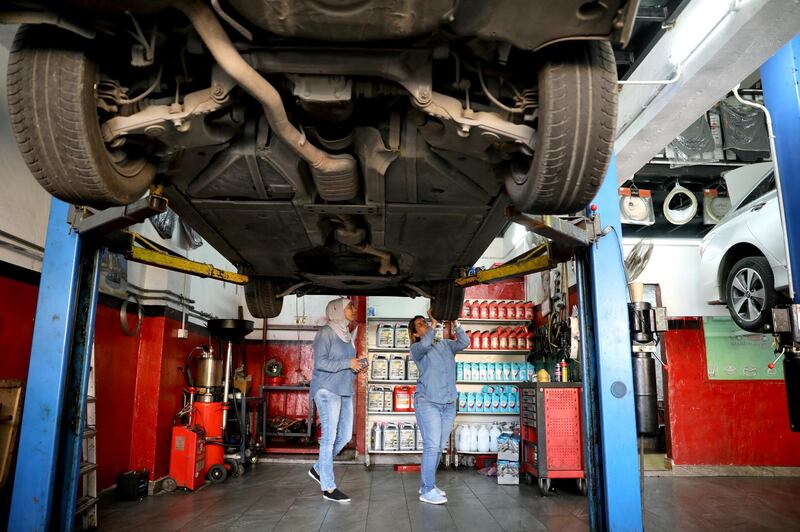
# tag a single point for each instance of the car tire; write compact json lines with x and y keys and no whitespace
{"x":260,"y":295}
{"x":747,"y":277}
{"x":51,"y":102}
{"x":447,"y":300}
{"x":575,"y":134}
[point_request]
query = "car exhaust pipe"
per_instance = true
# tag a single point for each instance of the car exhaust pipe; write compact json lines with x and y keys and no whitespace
{"x":336,"y":176}
{"x":353,"y":237}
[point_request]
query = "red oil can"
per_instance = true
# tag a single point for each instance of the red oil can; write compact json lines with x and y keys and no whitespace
{"x":493,"y":310}
{"x":502,"y":311}
{"x":485,"y":310}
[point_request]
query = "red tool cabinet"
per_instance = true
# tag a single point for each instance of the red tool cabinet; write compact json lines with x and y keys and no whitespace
{"x":551,"y":439}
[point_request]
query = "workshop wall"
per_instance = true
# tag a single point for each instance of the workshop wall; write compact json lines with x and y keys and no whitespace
{"x":737,"y":423}
{"x":19,"y":289}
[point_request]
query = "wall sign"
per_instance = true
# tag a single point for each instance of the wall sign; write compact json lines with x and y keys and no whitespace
{"x":735,"y":354}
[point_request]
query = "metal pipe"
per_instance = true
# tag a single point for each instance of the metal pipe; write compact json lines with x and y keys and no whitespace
{"x":227,"y":385}
{"x":773,"y":149}
{"x":222,"y":49}
{"x":675,"y":77}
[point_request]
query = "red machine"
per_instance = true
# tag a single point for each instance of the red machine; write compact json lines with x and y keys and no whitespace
{"x":186,"y":460}
{"x":209,"y":416}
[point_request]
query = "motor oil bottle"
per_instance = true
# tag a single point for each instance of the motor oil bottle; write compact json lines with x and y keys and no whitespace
{"x":397,"y":368}
{"x":486,"y":340}
{"x":513,"y":405}
{"x":493,"y":310}
{"x":466,"y":310}
{"x":520,"y":306}
{"x":490,"y":371}
{"x":487,"y":402}
{"x":391,"y":437}
{"x":494,"y":339}
{"x":401,"y":338}
{"x":476,"y":371}
{"x":528,"y":310}
{"x":502,"y":311}
{"x":402,"y":399}
{"x":467,"y":372}
{"x":496,"y":402}
{"x":412,"y":371}
{"x":462,"y":401}
{"x":418,"y":439}
{"x":408,"y":433}
{"x":459,"y":371}
{"x":511,"y":310}
{"x":475,"y":311}
{"x":502,"y":342}
{"x":478,"y":402}
{"x":506,"y":371}
{"x":485,"y":310}
{"x":388,"y":399}
{"x":380,"y":368}
{"x":470,"y":401}
{"x":385,"y":336}
{"x":512,"y":338}
{"x":375,"y":399}
{"x":515,"y":372}
{"x":503,"y":402}
{"x":376,"y":437}
{"x":529,"y":340}
{"x":482,"y":371}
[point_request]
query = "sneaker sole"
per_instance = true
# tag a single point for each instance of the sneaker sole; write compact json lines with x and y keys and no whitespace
{"x":335,"y":500}
{"x":419,"y":492}
{"x":432,"y":502}
{"x":315,"y":478}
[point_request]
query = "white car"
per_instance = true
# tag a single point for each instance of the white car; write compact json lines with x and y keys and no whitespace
{"x":743,"y":259}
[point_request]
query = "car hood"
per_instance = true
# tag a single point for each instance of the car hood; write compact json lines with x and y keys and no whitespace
{"x":742,"y":180}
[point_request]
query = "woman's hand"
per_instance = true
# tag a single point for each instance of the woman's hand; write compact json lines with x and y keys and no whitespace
{"x":434,"y":321}
{"x":358,"y":364}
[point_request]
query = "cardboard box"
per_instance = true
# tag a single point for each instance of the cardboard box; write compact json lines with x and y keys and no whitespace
{"x":508,"y":447}
{"x":507,"y":472}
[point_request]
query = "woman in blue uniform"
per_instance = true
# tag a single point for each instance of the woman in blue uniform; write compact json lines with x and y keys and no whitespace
{"x":435,"y":400}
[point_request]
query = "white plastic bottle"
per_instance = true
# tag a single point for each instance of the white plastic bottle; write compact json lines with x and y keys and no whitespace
{"x":494,"y":433}
{"x":473,"y":438}
{"x":459,"y":428}
{"x":483,"y":439}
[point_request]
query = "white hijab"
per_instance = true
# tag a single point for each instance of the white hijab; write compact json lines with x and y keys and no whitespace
{"x":336,"y":320}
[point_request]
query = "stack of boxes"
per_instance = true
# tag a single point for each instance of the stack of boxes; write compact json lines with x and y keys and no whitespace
{"x":508,"y":459}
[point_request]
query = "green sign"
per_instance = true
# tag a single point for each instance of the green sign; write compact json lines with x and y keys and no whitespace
{"x":735,"y":354}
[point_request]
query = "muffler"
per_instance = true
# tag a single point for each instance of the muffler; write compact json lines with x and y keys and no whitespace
{"x":336,"y":176}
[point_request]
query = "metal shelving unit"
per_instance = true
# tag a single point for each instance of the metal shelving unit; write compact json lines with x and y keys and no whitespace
{"x":464,"y":352}
{"x":496,"y":414}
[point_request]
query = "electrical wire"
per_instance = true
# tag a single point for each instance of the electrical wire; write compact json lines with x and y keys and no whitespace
{"x":151,"y":88}
{"x":491,"y":96}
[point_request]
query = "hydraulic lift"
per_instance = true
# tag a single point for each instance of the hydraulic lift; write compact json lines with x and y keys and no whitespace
{"x":63,"y":333}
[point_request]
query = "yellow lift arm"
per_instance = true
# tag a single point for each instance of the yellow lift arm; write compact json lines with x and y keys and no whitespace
{"x":152,"y":254}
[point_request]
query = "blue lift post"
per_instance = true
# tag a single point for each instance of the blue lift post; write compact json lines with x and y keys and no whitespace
{"x":43,"y":498}
{"x":615,"y":486}
{"x":780,"y":79}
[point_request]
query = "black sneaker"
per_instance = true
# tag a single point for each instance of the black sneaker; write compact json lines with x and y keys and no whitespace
{"x":313,"y":474}
{"x":335,"y":496}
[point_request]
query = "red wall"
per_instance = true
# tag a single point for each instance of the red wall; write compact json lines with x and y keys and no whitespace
{"x":513,"y":289}
{"x":17,"y":309}
{"x":722,"y":422}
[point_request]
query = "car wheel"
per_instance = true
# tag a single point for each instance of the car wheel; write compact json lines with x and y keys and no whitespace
{"x":575,"y":134}
{"x":51,"y":101}
{"x":750,"y":293}
{"x":261,"y":300}
{"x":448,"y":300}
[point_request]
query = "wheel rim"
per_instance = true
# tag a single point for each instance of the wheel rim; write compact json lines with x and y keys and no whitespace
{"x":748,"y":294}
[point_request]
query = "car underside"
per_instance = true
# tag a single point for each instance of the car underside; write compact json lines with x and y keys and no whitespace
{"x":354,"y":147}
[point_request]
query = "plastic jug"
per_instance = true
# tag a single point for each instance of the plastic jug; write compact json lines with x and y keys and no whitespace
{"x":466,"y":310}
{"x":459,"y":371}
{"x":391,"y":437}
{"x":473,"y":438}
{"x":490,"y":371}
{"x":408,"y":433}
{"x":402,"y":399}
{"x":412,"y":371}
{"x":515,"y":372}
{"x":465,"y":439}
{"x":478,"y":402}
{"x":487,"y":402}
{"x":506,"y":371}
{"x":380,"y":368}
{"x":486,"y":342}
{"x":483,"y":439}
{"x":493,"y":310}
{"x":503,"y":402}
{"x":388,"y":399}
{"x":385,"y":336}
{"x":475,"y":340}
{"x":529,"y":340}
{"x":457,"y":433}
{"x":494,"y":339}
{"x":401,"y":338}
{"x":542,"y":376}
{"x":466,"y":374}
{"x":496,"y":402}
{"x":397,"y":368}
{"x":528,"y":310}
{"x":475,"y":312}
{"x":511,"y":310}
{"x":375,"y":399}
{"x":520,"y":306}
{"x":462,"y":401}
{"x":376,"y":437}
{"x":512,"y":338}
{"x":476,"y":371}
{"x":502,"y":311}
{"x":494,"y":433}
{"x":482,"y":371}
{"x":484,"y":310}
{"x":470,"y":402}
{"x":502,"y":341}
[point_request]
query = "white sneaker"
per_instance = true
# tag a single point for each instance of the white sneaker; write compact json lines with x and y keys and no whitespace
{"x":440,"y":492}
{"x":433,"y":497}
